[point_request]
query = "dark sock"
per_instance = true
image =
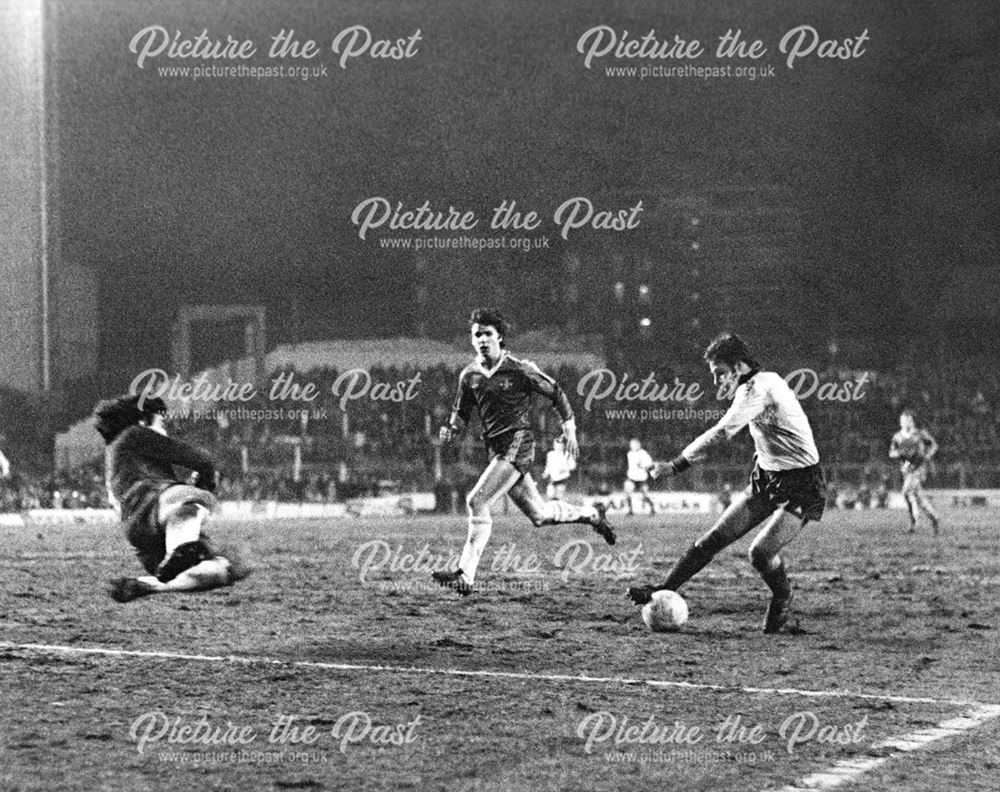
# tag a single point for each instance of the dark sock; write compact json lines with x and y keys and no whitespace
{"x":183,"y":558}
{"x":687,"y":566}
{"x":777,"y":580}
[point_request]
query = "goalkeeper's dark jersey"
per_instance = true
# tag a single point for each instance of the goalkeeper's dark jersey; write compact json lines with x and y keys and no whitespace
{"x":140,"y":465}
{"x":502,"y":395}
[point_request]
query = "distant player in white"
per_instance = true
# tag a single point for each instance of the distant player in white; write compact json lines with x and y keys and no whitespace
{"x":637,"y":475}
{"x":914,"y":448}
{"x":787,"y":488}
{"x":559,"y":466}
{"x":4,"y":466}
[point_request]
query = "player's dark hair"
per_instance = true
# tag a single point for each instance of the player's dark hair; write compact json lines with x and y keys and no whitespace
{"x":491,"y":317}
{"x":730,"y":349}
{"x":114,"y":416}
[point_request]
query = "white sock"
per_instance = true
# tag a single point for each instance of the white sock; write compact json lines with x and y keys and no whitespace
{"x":563,"y":512}
{"x":480,"y":528}
{"x":183,"y":529}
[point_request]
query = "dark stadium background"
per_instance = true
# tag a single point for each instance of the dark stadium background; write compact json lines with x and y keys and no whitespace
{"x":241,"y":190}
{"x":844,"y":212}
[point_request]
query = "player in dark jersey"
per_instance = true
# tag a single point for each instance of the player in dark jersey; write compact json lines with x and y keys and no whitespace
{"x":500,"y":388}
{"x":162,"y":515}
{"x":914,"y":448}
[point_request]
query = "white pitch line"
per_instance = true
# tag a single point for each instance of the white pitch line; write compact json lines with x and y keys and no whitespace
{"x":848,"y":771}
{"x":458,"y":672}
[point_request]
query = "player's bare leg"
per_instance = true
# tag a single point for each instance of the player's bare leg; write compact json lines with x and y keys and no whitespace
{"x":736,"y":521}
{"x":912,"y":510}
{"x":781,"y":528}
{"x":925,"y":505}
{"x":209,"y":574}
{"x":916,"y":502}
{"x":189,"y":564}
{"x":183,"y":525}
{"x":526,"y":496}
{"x":183,"y":510}
{"x":647,"y":499}
{"x":495,"y":481}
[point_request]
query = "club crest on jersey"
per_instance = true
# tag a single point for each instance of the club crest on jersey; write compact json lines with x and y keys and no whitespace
{"x":505,"y":384}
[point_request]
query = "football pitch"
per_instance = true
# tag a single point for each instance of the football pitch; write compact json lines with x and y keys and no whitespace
{"x":337,"y":666}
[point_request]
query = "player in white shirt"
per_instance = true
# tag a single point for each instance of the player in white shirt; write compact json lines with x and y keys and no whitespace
{"x":559,"y":466}
{"x":787,"y":489}
{"x":637,"y":475}
{"x":4,"y":466}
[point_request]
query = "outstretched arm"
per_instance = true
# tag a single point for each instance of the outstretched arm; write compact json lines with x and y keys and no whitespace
{"x":747,"y":405}
{"x":932,"y":445}
{"x":545,"y":385}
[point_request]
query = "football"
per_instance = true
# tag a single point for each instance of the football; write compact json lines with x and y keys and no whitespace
{"x":665,"y":612}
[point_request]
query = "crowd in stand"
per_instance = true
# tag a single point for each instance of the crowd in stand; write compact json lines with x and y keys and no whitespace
{"x":333,"y":447}
{"x":78,"y":489}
